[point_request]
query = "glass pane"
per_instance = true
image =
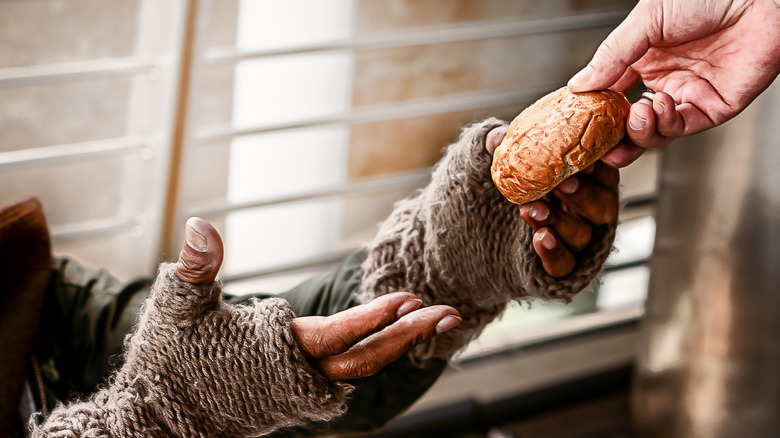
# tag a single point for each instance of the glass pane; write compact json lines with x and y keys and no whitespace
{"x":285,"y":162}
{"x":634,"y":241}
{"x":265,"y":24}
{"x":407,"y":73}
{"x":52,"y":114}
{"x":623,"y":289}
{"x":290,"y":88}
{"x":270,"y":285}
{"x":74,"y":192}
{"x":58,"y":31}
{"x":404,"y":145}
{"x":276,"y":235}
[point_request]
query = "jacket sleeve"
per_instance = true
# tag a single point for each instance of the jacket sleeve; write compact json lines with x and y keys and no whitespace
{"x":86,"y":316}
{"x":460,"y":242}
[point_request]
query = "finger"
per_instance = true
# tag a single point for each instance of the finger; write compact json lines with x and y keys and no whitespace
{"x":494,"y":138}
{"x":201,"y":254}
{"x":625,"y":153}
{"x":668,"y":122}
{"x":623,"y":47}
{"x":572,"y":229}
{"x":372,"y":354}
{"x":694,"y":119}
{"x":603,"y":174}
{"x":641,"y":126}
{"x":588,"y":199}
{"x":627,"y":82}
{"x":557,"y":261}
{"x":321,"y":336}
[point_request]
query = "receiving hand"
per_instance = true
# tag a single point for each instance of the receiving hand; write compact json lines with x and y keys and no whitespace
{"x":351,"y":344}
{"x":586,"y":199}
{"x":705,"y":60}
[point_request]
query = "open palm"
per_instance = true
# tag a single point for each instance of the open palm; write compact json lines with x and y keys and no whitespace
{"x":713,"y":65}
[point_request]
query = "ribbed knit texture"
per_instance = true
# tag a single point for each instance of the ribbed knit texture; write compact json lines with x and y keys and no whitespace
{"x":460,"y":242}
{"x":197,"y":367}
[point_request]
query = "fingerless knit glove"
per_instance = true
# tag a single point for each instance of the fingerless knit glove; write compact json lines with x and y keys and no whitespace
{"x":460,"y":242}
{"x":198,"y":367}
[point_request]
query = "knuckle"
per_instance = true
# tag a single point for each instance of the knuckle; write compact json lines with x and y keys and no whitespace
{"x":331,"y":340}
{"x":581,"y":237}
{"x":194,"y":266}
{"x":366,"y":368}
{"x":609,"y":214}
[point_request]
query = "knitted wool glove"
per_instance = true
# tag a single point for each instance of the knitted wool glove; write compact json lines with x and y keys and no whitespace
{"x":197,"y":367}
{"x":460,"y":242}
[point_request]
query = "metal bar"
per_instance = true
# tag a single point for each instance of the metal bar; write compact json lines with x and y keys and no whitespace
{"x":324,"y":260}
{"x":641,"y":201}
{"x":194,"y":22}
{"x":381,"y":113}
{"x":91,"y":228}
{"x":434,"y":35}
{"x":320,"y":261}
{"x":69,"y":152}
{"x":81,"y":70}
{"x":608,"y":267}
{"x":566,"y":328}
{"x":373,"y":185}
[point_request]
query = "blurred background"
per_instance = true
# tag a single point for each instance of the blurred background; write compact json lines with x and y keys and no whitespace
{"x":294,"y":126}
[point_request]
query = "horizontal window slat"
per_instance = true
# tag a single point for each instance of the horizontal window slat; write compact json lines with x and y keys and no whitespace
{"x":434,"y":35}
{"x":91,"y":228}
{"x":70,"y":152}
{"x":81,"y":70}
{"x":380,"y":113}
{"x":374,"y":185}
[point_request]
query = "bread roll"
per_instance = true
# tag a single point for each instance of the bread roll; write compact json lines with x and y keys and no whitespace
{"x":559,"y":135}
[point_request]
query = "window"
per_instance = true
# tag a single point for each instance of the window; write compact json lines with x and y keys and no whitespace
{"x":292,"y":126}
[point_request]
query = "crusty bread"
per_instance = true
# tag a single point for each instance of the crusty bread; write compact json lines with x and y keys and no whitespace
{"x":559,"y":135}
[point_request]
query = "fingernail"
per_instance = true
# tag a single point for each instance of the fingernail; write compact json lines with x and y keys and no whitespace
{"x":636,"y":123}
{"x":582,"y":77}
{"x":195,"y":240}
{"x":409,"y":306}
{"x":447,"y":323}
{"x":611,"y":163}
{"x":548,"y":240}
{"x":539,"y":211}
{"x":569,"y":185}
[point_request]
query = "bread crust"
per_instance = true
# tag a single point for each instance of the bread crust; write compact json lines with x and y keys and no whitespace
{"x":559,"y":135}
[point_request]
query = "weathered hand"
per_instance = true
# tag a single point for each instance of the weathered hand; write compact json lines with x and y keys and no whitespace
{"x":706,"y":61}
{"x":564,"y":227}
{"x":360,"y":341}
{"x":350,"y":344}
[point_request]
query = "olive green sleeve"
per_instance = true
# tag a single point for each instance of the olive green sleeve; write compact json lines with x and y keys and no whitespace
{"x":86,"y":315}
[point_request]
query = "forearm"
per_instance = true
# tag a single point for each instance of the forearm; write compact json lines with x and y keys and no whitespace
{"x":459,"y":242}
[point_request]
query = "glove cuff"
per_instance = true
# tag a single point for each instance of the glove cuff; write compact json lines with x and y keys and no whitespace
{"x":460,"y":242}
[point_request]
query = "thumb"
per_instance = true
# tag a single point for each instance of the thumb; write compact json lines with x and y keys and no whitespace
{"x":188,"y":288}
{"x":201,"y":253}
{"x":623,"y":47}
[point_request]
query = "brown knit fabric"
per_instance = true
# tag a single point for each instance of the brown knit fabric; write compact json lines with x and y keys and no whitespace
{"x":198,"y":367}
{"x":459,"y":242}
